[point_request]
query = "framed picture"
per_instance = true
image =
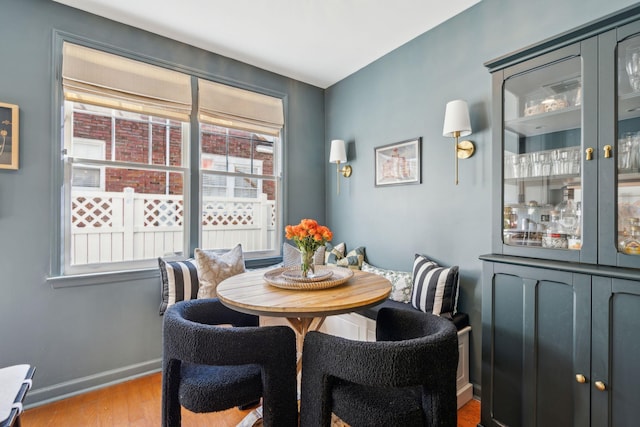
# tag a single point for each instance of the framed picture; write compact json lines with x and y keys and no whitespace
{"x":8,"y":136}
{"x":398,"y":163}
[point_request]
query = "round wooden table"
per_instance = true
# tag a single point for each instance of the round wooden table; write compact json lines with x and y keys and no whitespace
{"x":305,"y":310}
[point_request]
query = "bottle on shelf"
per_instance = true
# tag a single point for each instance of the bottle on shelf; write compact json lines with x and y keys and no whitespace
{"x":534,"y":237}
{"x":575,"y":238}
{"x":555,"y":236}
{"x":567,"y":211}
{"x":510,"y":218}
{"x":624,"y":234}
{"x":631,"y":245}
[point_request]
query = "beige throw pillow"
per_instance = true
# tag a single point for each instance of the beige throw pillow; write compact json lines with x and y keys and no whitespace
{"x":214,"y":267}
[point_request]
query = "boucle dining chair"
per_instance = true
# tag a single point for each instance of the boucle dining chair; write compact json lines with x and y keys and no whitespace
{"x":208,"y":367}
{"x":405,"y":378}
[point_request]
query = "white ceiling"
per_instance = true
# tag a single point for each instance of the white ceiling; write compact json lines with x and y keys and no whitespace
{"x":319,"y":42}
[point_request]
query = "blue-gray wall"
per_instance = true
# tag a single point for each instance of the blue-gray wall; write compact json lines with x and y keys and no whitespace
{"x":403,"y":95}
{"x":82,"y":337}
{"x":85,"y":336}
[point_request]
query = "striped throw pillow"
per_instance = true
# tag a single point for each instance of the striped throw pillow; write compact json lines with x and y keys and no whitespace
{"x":435,"y":288}
{"x":179,"y":281}
{"x":353,"y":259}
{"x":334,"y":253}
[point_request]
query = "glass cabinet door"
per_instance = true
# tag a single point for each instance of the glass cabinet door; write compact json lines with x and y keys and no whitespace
{"x":542,"y":140}
{"x":628,"y":147}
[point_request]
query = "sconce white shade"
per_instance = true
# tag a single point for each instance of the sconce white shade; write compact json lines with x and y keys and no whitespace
{"x":338,"y":153}
{"x":456,"y":119}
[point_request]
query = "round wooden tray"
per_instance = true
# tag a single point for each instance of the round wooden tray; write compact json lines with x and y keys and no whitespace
{"x":340,"y":275}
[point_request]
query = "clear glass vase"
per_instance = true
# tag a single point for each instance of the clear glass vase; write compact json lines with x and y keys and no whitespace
{"x":306,"y":263}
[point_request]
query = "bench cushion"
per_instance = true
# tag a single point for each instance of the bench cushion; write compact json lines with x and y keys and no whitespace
{"x":460,"y":320}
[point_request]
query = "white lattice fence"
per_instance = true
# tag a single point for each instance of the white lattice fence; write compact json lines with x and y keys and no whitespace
{"x":227,"y":221}
{"x":111,"y":227}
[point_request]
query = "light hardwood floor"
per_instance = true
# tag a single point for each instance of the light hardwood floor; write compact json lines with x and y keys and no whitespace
{"x":136,"y":403}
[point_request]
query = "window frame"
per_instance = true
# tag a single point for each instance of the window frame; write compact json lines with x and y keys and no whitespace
{"x":58,"y":277}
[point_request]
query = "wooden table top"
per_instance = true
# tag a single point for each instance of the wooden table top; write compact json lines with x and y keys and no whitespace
{"x":249,"y":293}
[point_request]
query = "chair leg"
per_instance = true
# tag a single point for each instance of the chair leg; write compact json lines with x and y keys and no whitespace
{"x":171,"y":411}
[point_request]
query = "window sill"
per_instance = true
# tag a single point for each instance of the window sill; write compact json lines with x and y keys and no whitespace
{"x":90,"y":279}
{"x":262,"y":262}
{"x":76,"y":280}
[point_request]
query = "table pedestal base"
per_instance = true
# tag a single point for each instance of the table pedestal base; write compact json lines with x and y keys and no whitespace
{"x":300,"y":325}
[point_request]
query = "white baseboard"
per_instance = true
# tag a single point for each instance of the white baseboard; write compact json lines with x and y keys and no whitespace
{"x":464,"y":394}
{"x":43,"y":395}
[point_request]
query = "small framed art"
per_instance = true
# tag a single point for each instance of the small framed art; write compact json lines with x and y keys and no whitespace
{"x":8,"y":136}
{"x":398,"y":163}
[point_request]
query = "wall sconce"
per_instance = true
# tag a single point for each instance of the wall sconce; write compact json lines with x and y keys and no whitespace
{"x":457,"y":124}
{"x":338,"y":154}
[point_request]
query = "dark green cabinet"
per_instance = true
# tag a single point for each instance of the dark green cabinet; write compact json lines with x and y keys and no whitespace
{"x":615,"y":352}
{"x":538,"y":338}
{"x":561,"y":290}
{"x":561,"y":347}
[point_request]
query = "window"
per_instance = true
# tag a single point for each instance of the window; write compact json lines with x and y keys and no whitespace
{"x":126,"y":139}
{"x":239,"y":190}
{"x":127,"y":167}
{"x":240,"y":169}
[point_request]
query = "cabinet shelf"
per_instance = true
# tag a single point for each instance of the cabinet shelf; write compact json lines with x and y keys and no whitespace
{"x":572,"y":179}
{"x":629,"y":106}
{"x":553,"y":121}
{"x":629,"y":177}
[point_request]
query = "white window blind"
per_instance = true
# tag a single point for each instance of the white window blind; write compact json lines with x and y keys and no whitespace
{"x":112,"y":81}
{"x":236,"y":108}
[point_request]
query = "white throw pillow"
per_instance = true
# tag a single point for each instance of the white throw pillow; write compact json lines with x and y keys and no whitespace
{"x":214,"y":267}
{"x":401,"y":282}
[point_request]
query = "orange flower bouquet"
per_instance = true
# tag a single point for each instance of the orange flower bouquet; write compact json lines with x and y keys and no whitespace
{"x":308,"y":236}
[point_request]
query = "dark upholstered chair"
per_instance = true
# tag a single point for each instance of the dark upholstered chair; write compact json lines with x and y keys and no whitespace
{"x":405,"y":378}
{"x":208,"y":368}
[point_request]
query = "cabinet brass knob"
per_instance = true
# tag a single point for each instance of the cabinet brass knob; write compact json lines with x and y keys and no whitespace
{"x":600,"y":386}
{"x":589,"y":152}
{"x":581,"y":378}
{"x":607,"y":151}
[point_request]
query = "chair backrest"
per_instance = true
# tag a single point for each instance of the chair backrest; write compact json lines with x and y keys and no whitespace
{"x":198,"y":331}
{"x":414,"y":349}
{"x":193,"y":334}
{"x":399,"y":325}
{"x":429,"y":343}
